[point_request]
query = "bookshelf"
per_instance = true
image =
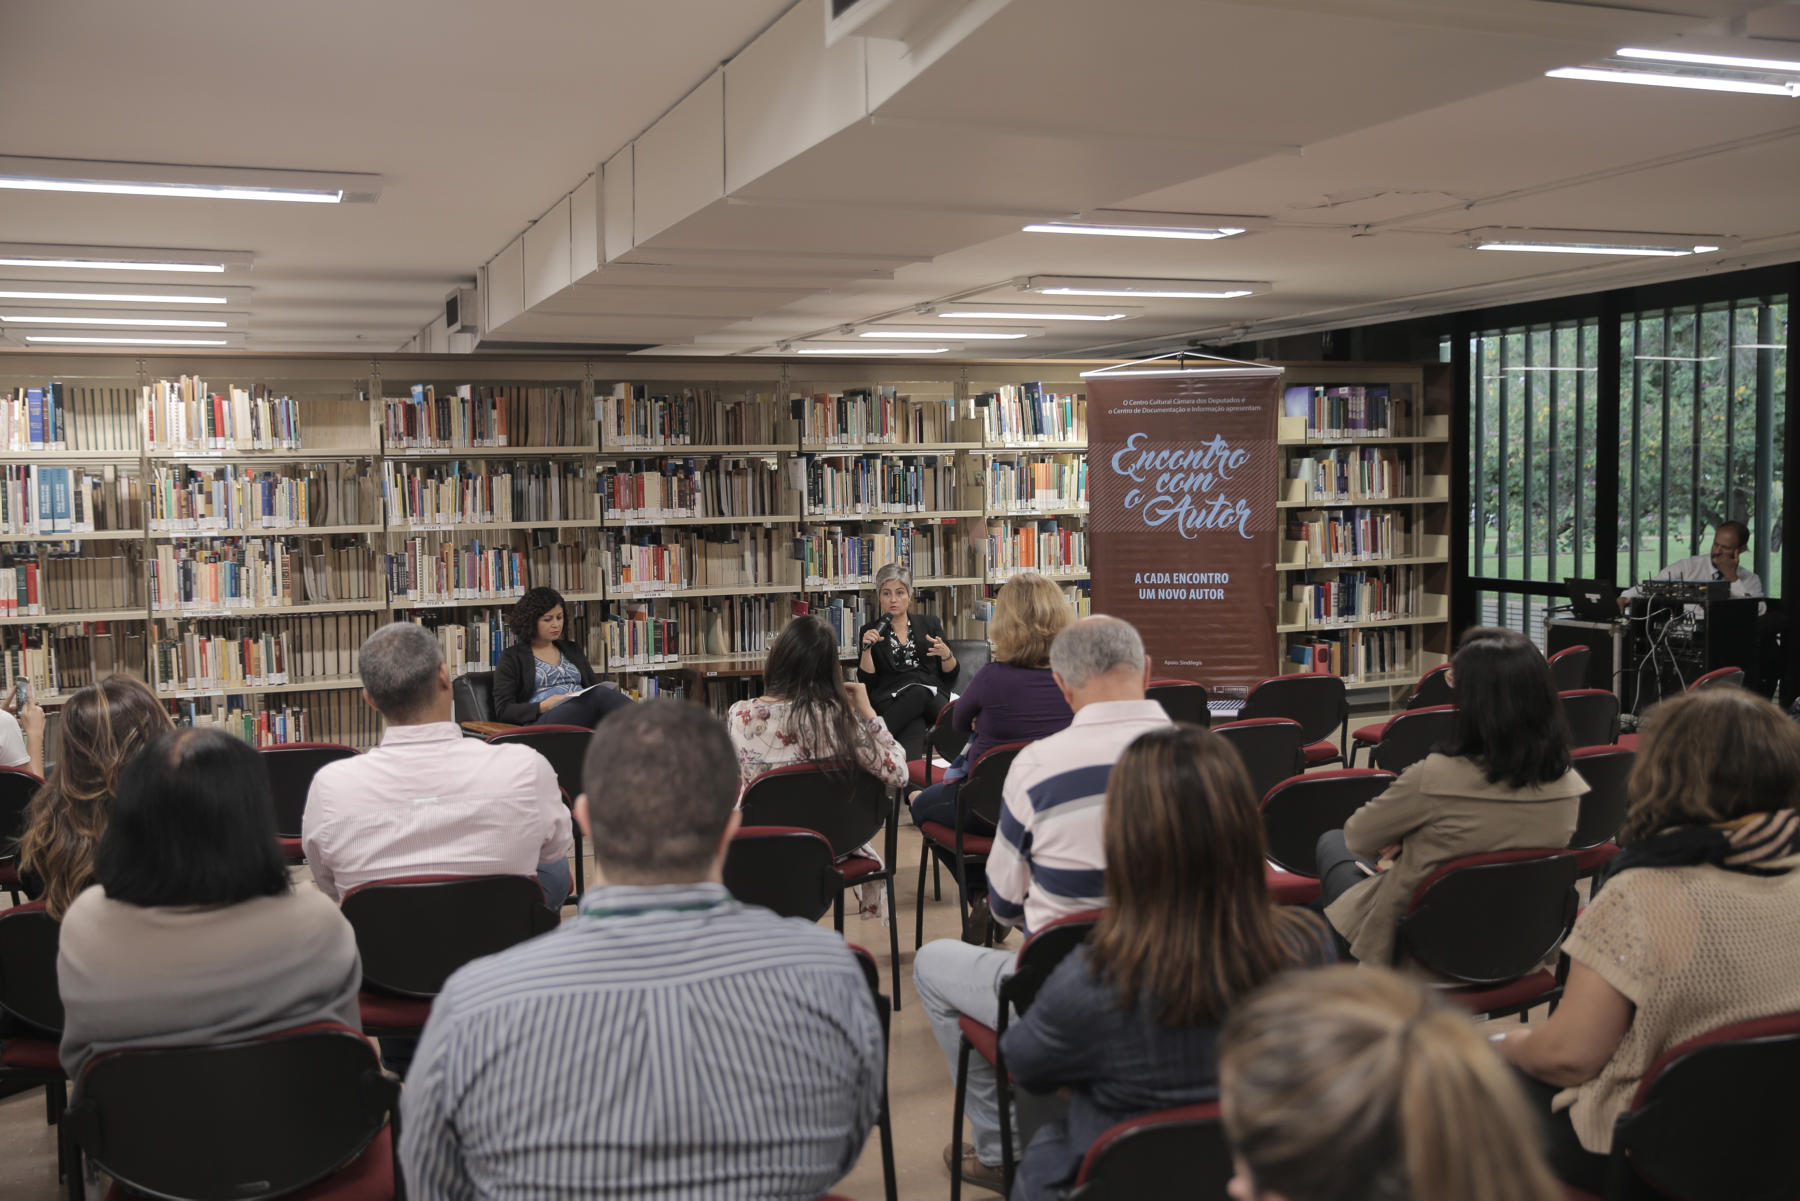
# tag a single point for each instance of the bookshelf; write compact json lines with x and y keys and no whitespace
{"x":1363,"y":570}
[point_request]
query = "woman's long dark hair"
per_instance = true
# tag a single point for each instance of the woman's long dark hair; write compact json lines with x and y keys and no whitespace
{"x":1509,"y":718}
{"x":536,"y":602}
{"x":193,"y":824}
{"x":804,"y":671}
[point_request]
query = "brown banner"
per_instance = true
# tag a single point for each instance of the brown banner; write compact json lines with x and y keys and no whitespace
{"x":1183,"y":474}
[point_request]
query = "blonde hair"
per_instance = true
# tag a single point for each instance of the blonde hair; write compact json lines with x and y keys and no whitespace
{"x":1356,"y":1084}
{"x":1712,"y":756}
{"x":1029,"y":613}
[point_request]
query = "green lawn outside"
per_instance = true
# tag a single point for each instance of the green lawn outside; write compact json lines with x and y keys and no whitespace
{"x":1537,"y":567}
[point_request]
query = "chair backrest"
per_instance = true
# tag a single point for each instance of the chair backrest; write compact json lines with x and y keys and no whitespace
{"x":1164,"y":1156}
{"x":1314,"y":699}
{"x":1412,"y":735}
{"x":1433,"y":689}
{"x":291,"y":771}
{"x":1603,"y":806}
{"x":1710,"y":1113}
{"x":236,"y":1121}
{"x":783,"y":868}
{"x":1182,"y":700}
{"x":1731,"y":677}
{"x":1272,"y":748}
{"x":1593,"y":716}
{"x":838,"y":800}
{"x":28,"y":989}
{"x":872,"y":976}
{"x":982,"y":789}
{"x":944,"y":740}
{"x":414,"y":931}
{"x":1301,"y":808}
{"x":972,"y":654}
{"x":17,"y":787}
{"x":564,"y":746}
{"x":472,"y":696}
{"x":1039,"y":956}
{"x":1491,"y":918}
{"x":1568,"y":667}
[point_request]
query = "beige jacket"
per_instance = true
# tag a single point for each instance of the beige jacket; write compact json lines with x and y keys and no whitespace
{"x":1438,"y":810}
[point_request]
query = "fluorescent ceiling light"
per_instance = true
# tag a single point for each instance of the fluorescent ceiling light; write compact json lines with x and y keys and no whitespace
{"x":86,"y":341}
{"x":1676,"y":358}
{"x":1127,"y":223}
{"x":1759,"y":346}
{"x":976,"y":312}
{"x":1709,"y":60}
{"x":147,"y":321}
{"x":1590,"y":241}
{"x":1658,"y":79}
{"x":121,"y":258}
{"x":1148,"y":289}
{"x":856,"y":348}
{"x":1147,"y":372}
{"x":163,"y":179}
{"x":187,"y":295}
{"x":966,"y":332}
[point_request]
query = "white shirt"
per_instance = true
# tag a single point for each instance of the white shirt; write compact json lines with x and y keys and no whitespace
{"x":12,"y":742}
{"x":428,"y":801}
{"x":1700,"y":567}
{"x":1049,"y":858}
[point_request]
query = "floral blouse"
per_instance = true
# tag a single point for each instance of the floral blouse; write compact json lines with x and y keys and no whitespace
{"x":760,"y":735}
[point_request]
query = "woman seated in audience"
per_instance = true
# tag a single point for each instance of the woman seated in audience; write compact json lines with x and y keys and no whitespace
{"x":808,"y":714}
{"x":1129,"y":1022}
{"x":1504,"y":781}
{"x":1356,"y":1083}
{"x":544,"y":678}
{"x":191,"y":933}
{"x":1694,"y":928}
{"x":906,"y":665}
{"x":103,"y":726}
{"x":1012,"y":699}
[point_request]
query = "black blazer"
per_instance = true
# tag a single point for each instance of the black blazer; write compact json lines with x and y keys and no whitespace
{"x":888,"y":677}
{"x":515,"y":679}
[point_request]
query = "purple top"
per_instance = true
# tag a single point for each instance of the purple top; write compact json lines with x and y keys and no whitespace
{"x":1013,"y":703}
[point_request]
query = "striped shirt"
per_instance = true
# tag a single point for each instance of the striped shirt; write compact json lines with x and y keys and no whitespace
{"x":1049,"y":859}
{"x":667,"y":1042}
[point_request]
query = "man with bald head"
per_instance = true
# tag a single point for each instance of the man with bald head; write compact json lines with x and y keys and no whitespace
{"x":1049,"y":857}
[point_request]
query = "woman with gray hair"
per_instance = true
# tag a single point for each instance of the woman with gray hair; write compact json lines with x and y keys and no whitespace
{"x":906,"y":665}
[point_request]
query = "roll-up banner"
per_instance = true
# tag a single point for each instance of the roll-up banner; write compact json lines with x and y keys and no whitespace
{"x":1183,"y":477}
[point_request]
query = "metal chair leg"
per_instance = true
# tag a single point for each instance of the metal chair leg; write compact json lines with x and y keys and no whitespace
{"x":885,"y":1123}
{"x":837,"y":911}
{"x":919,"y":899}
{"x":1003,"y":1103}
{"x":893,"y":938}
{"x":937,"y":881}
{"x":956,"y":1120}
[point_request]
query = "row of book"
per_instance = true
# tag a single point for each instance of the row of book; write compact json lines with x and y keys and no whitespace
{"x":665,"y":489}
{"x":847,"y":486}
{"x":472,"y":639}
{"x":477,"y":491}
{"x":718,"y":557}
{"x":1048,"y":547}
{"x":873,"y":416}
{"x":478,"y":416}
{"x":186,"y":415}
{"x":1356,"y":655}
{"x":342,"y":717}
{"x":40,"y":499}
{"x":833,"y":556}
{"x":58,"y":659}
{"x":223,"y":654}
{"x":184,"y":497}
{"x":433,"y":570}
{"x":1024,"y":413}
{"x":56,"y":416}
{"x":210,"y":575}
{"x":631,"y":416}
{"x":1349,"y":535}
{"x":1017,"y":485}
{"x":1364,"y":473}
{"x":1344,"y":597}
{"x":1351,"y":411}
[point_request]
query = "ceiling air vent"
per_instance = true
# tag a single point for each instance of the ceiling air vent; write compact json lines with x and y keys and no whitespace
{"x":897,"y":20}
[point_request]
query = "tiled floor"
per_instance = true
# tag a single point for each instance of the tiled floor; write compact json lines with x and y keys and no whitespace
{"x":919,"y":1080}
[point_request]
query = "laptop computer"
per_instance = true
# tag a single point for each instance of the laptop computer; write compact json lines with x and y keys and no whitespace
{"x":1593,"y":600}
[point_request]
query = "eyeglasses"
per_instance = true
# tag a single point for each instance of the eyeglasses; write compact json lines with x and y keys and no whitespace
{"x":1720,"y":548}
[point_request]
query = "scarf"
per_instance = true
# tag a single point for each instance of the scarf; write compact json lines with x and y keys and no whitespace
{"x":1758,"y":844}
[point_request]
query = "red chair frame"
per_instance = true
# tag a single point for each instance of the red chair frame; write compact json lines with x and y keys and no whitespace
{"x":1591,"y":711}
{"x":1569,"y":679}
{"x":1292,"y":870}
{"x":1319,"y":717}
{"x":798,"y":879}
{"x":1432,"y":690}
{"x":884,"y":1122}
{"x":1190,"y":706}
{"x":291,"y":768}
{"x":566,"y":750}
{"x":980,"y":794}
{"x":1603,"y":806}
{"x":1262,"y":743}
{"x":1427,"y":720}
{"x":1172,"y":1152}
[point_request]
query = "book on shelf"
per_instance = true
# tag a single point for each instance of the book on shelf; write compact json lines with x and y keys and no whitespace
{"x":58,"y":658}
{"x":37,"y":499}
{"x":55,"y":416}
{"x":673,"y":488}
{"x":1353,"y":474}
{"x":338,"y":716}
{"x":74,"y":580}
{"x":852,"y":485}
{"x":184,"y":414}
{"x":1352,"y":410}
{"x":839,"y":555}
{"x":1047,"y":546}
{"x":1026,"y":482}
{"x":1355,"y":655}
{"x":1014,"y":414}
{"x":668,"y":560}
{"x":1346,"y":596}
{"x":485,"y":416}
{"x":432,"y":568}
{"x":222,"y":654}
{"x":878,"y":416}
{"x":1342,"y":536}
{"x":477,"y":491}
{"x":633,"y":417}
{"x":472,"y":639}
{"x":200,"y":497}
{"x":205,"y":575}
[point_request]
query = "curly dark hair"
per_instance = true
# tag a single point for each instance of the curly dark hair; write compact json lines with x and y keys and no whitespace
{"x":523,"y":619}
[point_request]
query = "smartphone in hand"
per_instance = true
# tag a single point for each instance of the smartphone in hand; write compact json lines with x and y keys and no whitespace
{"x":21,"y":694}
